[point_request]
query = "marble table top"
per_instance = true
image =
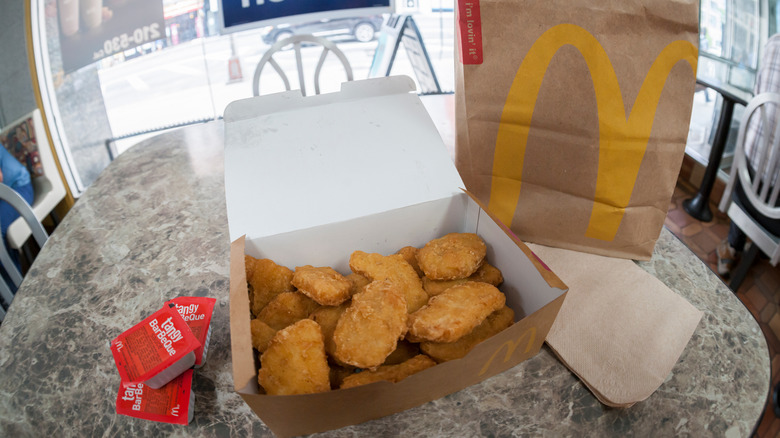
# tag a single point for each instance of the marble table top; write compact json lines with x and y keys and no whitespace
{"x":153,"y":226}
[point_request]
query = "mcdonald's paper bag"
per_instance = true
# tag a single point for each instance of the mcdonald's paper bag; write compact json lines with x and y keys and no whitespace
{"x":572,"y":116}
{"x":620,"y":330}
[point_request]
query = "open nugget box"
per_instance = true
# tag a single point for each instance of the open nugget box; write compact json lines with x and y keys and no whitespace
{"x":309,"y":180}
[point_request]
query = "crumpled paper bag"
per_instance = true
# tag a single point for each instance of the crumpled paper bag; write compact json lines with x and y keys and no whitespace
{"x":620,"y":330}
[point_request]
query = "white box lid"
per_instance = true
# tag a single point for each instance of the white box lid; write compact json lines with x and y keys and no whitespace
{"x":293,"y":162}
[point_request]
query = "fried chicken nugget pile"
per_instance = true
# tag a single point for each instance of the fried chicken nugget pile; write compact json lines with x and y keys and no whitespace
{"x":455,"y":312}
{"x":323,"y":285}
{"x":358,"y":282}
{"x":392,"y":373}
{"x":492,"y":325}
{"x":394,"y":268}
{"x":456,"y":255}
{"x":404,"y":351}
{"x":486,"y":273}
{"x":262,"y":334}
{"x":409,"y":253}
{"x":394,"y":315}
{"x":287,"y":308}
{"x":327,"y":317}
{"x":295,"y":361}
{"x":370,"y":328}
{"x":266,"y":280}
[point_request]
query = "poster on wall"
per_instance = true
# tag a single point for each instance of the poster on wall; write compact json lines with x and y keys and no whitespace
{"x":244,"y":14}
{"x":91,"y":30}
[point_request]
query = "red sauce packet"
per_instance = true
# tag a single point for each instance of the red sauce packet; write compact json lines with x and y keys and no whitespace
{"x":173,"y":403}
{"x":197,"y":312}
{"x":160,"y":343}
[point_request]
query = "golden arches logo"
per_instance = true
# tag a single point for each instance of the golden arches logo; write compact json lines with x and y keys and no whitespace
{"x":622,"y":141}
{"x":511,"y":346}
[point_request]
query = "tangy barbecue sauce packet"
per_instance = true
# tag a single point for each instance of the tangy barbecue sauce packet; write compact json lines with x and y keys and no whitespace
{"x":197,"y":312}
{"x":173,"y":403}
{"x":156,"y":350}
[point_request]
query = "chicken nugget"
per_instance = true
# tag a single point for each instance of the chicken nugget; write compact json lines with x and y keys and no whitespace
{"x":266,"y":280}
{"x":295,"y":361}
{"x":394,"y":268}
{"x":359,"y":282}
{"x":322,"y":284}
{"x":493,"y":324}
{"x":404,"y":351}
{"x":392,"y":373}
{"x":338,"y":373}
{"x":249,"y":267}
{"x":370,"y":328}
{"x":436,"y":287}
{"x":486,"y":273}
{"x":410,"y":255}
{"x":327,"y":317}
{"x":454,"y":313}
{"x":286,"y":309}
{"x":249,"y":264}
{"x":456,"y":255}
{"x":261,"y":334}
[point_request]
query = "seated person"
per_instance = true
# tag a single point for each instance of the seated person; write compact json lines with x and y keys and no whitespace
{"x":768,"y":80}
{"x":15,"y":175}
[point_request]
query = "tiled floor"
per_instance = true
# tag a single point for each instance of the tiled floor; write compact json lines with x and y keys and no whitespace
{"x":760,"y":292}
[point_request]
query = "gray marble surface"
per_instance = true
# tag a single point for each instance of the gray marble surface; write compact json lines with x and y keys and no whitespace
{"x":153,"y":226}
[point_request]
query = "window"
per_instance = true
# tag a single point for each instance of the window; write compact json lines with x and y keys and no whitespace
{"x":180,"y":68}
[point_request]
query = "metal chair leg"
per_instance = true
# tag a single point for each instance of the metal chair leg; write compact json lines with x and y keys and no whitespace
{"x":775,"y":401}
{"x":743,"y":267}
{"x":28,"y":257}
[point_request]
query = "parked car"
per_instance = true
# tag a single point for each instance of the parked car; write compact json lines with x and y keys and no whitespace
{"x":362,"y":29}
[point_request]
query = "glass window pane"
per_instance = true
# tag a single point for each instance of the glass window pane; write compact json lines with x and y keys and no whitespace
{"x":192,"y":71}
{"x":712,"y":26}
{"x":744,"y":31}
